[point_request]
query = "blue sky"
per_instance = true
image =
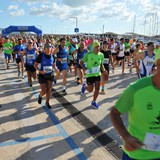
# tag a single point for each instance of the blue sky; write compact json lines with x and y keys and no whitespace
{"x":53,"y":16}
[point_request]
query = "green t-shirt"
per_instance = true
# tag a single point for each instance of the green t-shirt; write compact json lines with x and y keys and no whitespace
{"x":67,"y":43}
{"x":8,"y":48}
{"x":157,"y":51}
{"x":127,"y":46}
{"x":141,"y":101}
{"x":93,"y":62}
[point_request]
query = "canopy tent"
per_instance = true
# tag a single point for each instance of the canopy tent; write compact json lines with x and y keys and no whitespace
{"x":11,"y":29}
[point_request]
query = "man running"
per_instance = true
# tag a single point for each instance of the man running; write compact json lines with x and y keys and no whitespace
{"x":17,"y":51}
{"x":147,"y":61}
{"x":141,"y":101}
{"x":7,"y":47}
{"x":61,"y":53}
{"x":30,"y":53}
{"x":94,"y":64}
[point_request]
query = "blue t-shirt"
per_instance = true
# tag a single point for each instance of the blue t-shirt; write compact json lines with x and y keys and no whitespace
{"x":18,"y":48}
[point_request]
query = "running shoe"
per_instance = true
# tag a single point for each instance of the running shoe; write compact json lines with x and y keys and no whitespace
{"x":103,"y":92}
{"x":22,"y":77}
{"x":48,"y":105}
{"x":83,"y":89}
{"x":39,"y":99}
{"x":19,"y":74}
{"x":95,"y":105}
{"x":55,"y":81}
{"x":63,"y":93}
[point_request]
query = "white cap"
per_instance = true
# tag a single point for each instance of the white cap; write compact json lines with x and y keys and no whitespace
{"x":157,"y":43}
{"x":75,"y":40}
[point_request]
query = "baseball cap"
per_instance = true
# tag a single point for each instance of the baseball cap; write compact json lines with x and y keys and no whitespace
{"x":75,"y":40}
{"x":95,"y":44}
{"x":47,"y":45}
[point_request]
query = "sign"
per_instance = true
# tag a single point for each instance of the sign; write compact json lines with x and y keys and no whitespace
{"x":22,"y":28}
{"x":76,"y":30}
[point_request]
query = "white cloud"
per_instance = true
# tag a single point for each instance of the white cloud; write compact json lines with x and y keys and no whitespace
{"x":10,"y":7}
{"x":19,"y":12}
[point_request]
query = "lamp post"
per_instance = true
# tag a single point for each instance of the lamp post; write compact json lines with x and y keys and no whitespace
{"x":76,"y":21}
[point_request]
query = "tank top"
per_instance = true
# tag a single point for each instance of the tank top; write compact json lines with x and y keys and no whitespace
{"x":30,"y":56}
{"x":47,"y":64}
{"x":146,"y":64}
{"x":63,"y":53}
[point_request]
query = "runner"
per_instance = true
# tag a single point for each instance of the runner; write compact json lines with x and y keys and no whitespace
{"x":120,"y":55}
{"x":107,"y":59}
{"x":112,"y":48}
{"x":157,"y":50}
{"x":141,"y":101}
{"x":147,"y":60}
{"x":7,"y":47}
{"x":127,"y":51}
{"x":17,"y":51}
{"x":30,"y":53}
{"x":81,"y":51}
{"x":72,"y":47}
{"x":61,"y":53}
{"x":46,"y":75}
{"x":94,"y":60}
{"x":137,"y":51}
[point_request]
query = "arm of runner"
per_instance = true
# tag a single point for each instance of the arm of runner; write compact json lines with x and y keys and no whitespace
{"x":23,"y":53}
{"x":117,"y":48}
{"x":139,"y":56}
{"x":130,"y":143}
{"x":56,"y":50}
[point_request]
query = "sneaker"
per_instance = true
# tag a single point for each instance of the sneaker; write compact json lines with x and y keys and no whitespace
{"x":83,"y":89}
{"x":124,"y":74}
{"x":19,"y":73}
{"x":48,"y":105}
{"x":63,"y":93}
{"x":22,"y":77}
{"x":103,"y":92}
{"x":39,"y":99}
{"x":95,"y":105}
{"x":112,"y":69}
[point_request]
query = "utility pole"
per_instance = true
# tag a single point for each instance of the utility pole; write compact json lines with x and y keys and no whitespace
{"x":134,"y":24}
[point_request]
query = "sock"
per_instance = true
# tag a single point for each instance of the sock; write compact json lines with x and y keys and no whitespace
{"x":102,"y":88}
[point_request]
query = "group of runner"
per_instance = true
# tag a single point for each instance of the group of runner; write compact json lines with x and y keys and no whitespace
{"x":90,"y":58}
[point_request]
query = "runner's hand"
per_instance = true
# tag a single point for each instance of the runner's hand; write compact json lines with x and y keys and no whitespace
{"x":42,"y":72}
{"x":132,"y":143}
{"x":137,"y":70}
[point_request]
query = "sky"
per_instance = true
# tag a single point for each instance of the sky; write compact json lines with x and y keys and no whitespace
{"x":93,"y":16}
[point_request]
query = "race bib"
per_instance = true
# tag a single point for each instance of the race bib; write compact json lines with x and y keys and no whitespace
{"x":18,"y":55}
{"x":6,"y":48}
{"x":75,"y":56}
{"x":106,"y":61}
{"x":70,"y":57}
{"x":64,"y":60}
{"x":95,"y":69}
{"x":121,"y":53}
{"x":47,"y":69}
{"x":30,"y":56}
{"x":152,"y":142}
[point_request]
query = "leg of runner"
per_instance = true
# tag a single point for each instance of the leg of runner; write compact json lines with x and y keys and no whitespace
{"x":96,"y":93}
{"x":64,"y":77}
{"x":123,"y":67}
{"x":42,"y":92}
{"x":29,"y":75}
{"x":22,"y":69}
{"x":48,"y":93}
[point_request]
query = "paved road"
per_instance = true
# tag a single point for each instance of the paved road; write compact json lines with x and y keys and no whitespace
{"x":29,"y":131}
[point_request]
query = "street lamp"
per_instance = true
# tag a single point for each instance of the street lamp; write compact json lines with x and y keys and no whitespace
{"x":76,"y":21}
